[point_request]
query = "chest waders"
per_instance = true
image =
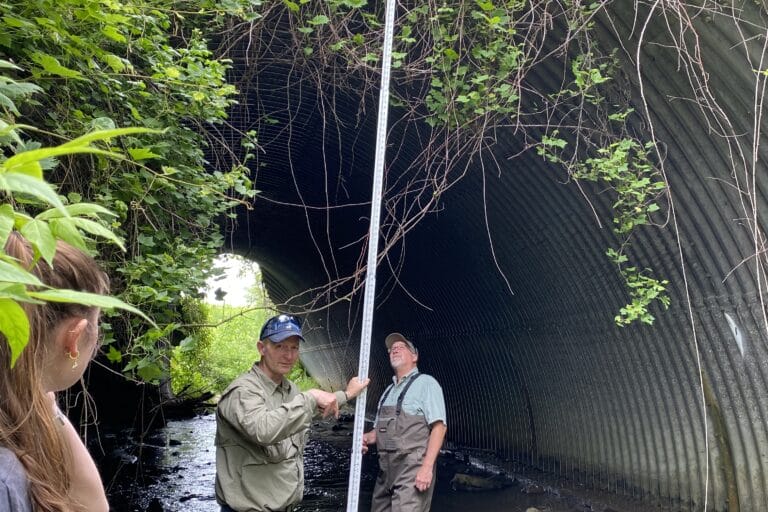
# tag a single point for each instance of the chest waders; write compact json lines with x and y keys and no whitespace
{"x":401,"y":440}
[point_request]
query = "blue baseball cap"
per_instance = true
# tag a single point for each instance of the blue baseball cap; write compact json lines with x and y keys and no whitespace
{"x":280,"y":327}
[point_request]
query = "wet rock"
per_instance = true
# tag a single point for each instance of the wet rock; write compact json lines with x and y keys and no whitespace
{"x":466,"y":482}
{"x":532,"y":488}
{"x":155,"y":506}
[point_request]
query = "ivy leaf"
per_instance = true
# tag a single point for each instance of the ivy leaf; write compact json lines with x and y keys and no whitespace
{"x":114,"y":62}
{"x":51,"y":65}
{"x":114,"y":355}
{"x":144,"y":153}
{"x":320,"y":19}
{"x":150,"y":372}
{"x":450,"y":54}
{"x":486,"y":6}
{"x":102,"y":123}
{"x":14,"y":325}
{"x":111,"y":32}
{"x":293,"y":6}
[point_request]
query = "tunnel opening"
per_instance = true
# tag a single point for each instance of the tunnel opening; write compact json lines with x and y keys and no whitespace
{"x":494,"y":255}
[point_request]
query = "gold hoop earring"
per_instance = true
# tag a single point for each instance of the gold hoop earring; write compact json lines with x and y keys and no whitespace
{"x":73,"y":358}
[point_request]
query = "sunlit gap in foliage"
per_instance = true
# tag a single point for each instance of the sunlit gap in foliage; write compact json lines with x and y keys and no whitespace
{"x":235,"y":305}
{"x":239,"y":283}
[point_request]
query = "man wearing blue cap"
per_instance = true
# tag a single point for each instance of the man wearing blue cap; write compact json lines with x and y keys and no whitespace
{"x":262,"y":425}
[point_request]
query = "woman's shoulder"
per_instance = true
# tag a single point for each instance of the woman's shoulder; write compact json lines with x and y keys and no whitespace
{"x":13,"y":480}
{"x":10,"y":467}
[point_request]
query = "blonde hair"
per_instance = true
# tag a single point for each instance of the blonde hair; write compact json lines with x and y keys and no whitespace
{"x":27,"y":422}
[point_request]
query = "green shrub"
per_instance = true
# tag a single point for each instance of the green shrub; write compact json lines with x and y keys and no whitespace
{"x":223,"y":352}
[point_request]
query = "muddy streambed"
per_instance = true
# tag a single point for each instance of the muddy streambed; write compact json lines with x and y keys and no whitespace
{"x":174,"y":470}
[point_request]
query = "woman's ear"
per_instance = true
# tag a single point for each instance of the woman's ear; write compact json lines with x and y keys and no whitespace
{"x":71,"y":334}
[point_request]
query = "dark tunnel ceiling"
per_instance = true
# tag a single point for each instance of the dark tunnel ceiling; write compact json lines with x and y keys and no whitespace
{"x":504,"y":284}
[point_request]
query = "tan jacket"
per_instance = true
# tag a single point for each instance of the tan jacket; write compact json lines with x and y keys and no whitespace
{"x":261,"y":431}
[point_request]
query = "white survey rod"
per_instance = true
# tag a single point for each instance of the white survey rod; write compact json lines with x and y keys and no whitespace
{"x":355,"y":466}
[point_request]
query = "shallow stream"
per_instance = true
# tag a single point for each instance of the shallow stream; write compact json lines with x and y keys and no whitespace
{"x":174,"y":470}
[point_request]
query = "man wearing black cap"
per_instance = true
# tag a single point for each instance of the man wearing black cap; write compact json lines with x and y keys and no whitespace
{"x":409,"y":430}
{"x":262,"y":425}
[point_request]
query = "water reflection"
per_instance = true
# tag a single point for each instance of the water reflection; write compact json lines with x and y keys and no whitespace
{"x":174,"y":470}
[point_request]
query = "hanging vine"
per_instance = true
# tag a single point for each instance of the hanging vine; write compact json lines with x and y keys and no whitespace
{"x":466,"y":69}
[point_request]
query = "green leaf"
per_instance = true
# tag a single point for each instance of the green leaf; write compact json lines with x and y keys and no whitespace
{"x":87,"y":299}
{"x":28,"y":161}
{"x":24,"y":184}
{"x":150,"y":372}
{"x":4,"y":64}
{"x":6,"y":223}
{"x":114,"y":355}
{"x":320,"y":19}
{"x":114,"y":62}
{"x":450,"y":54}
{"x":17,"y":292}
{"x":12,"y":272}
{"x":14,"y":325}
{"x":52,"y":66}
{"x":86,"y":139}
{"x":39,"y":235}
{"x":111,"y":32}
{"x":102,"y":123}
{"x":65,"y":230}
{"x":142,"y":154}
{"x":8,"y":103}
{"x":74,"y":210}
{"x":97,"y":229}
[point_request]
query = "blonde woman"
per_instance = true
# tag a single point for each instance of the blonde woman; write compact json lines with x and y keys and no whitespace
{"x":44,"y":465}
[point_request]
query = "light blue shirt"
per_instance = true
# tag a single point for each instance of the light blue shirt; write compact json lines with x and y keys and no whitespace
{"x":424,"y":397}
{"x":14,"y":488}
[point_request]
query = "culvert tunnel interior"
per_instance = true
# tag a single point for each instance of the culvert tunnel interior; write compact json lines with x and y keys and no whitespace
{"x":502,"y":281}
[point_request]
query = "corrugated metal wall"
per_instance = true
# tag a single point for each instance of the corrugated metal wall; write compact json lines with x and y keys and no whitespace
{"x":505,"y":286}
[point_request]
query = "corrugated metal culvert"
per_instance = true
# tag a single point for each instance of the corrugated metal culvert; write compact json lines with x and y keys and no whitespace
{"x":498,"y":272}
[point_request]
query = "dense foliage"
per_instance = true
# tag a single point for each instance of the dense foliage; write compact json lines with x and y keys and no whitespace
{"x":465,"y":74}
{"x":100,"y":65}
{"x":74,"y":67}
{"x":211,"y":361}
{"x":21,"y":181}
